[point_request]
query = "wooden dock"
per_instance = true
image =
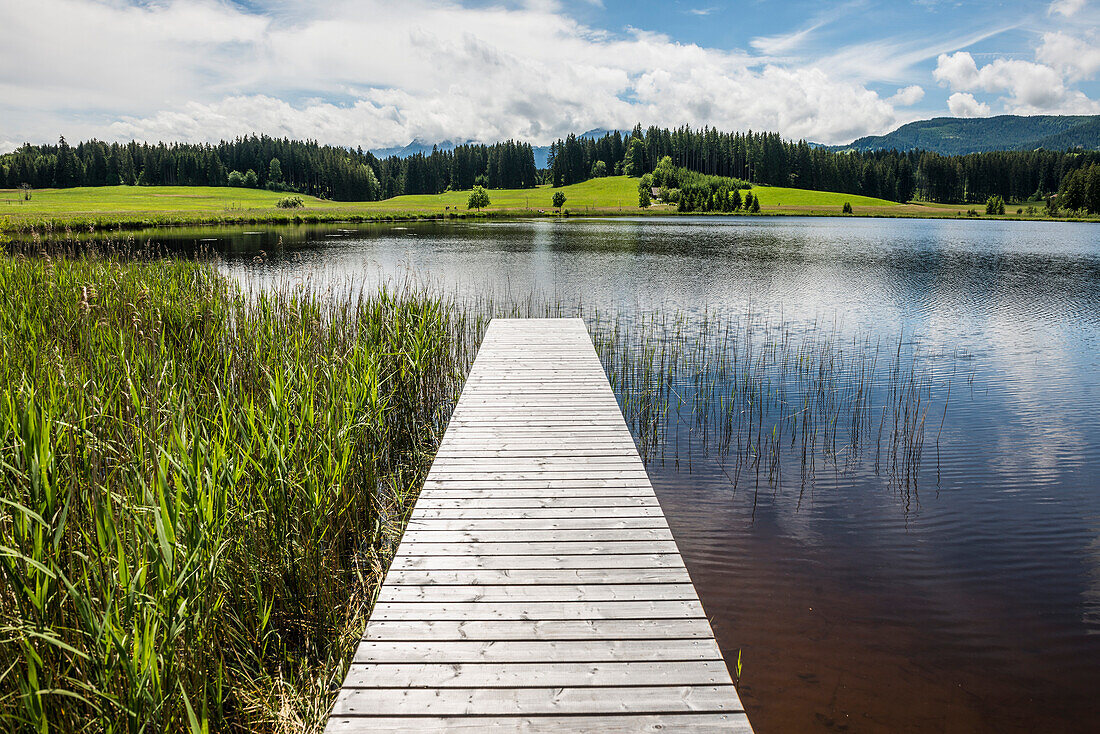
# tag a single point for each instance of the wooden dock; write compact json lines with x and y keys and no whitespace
{"x":538,"y":586}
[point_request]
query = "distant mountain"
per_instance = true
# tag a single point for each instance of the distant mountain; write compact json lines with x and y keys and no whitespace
{"x":419,"y":146}
{"x":416,"y":146}
{"x":959,"y":136}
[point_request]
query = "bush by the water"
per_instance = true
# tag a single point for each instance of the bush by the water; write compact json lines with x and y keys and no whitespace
{"x":201,"y":487}
{"x":290,"y":202}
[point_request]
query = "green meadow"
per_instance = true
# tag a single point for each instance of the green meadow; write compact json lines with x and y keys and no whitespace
{"x":138,"y":206}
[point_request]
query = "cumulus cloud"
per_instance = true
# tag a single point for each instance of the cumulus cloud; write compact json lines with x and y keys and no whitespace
{"x":963,"y":104}
{"x":1028,"y":87}
{"x":907,"y":96}
{"x":1076,"y":57}
{"x":956,"y":70}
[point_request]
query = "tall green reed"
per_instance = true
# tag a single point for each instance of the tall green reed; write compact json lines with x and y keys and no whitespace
{"x":200,"y":488}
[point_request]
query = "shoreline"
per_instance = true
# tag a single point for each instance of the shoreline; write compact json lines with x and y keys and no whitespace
{"x":122,"y":223}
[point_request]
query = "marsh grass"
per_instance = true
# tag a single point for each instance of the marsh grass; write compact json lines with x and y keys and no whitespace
{"x":764,"y":397}
{"x":201,"y":487}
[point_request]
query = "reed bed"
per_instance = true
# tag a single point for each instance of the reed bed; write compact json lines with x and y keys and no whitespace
{"x":768,"y":396}
{"x":200,"y":487}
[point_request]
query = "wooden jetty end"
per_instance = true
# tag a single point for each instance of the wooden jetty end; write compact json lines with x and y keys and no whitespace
{"x":538,"y":586}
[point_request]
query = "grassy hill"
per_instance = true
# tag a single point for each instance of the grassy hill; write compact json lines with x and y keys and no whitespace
{"x":206,"y":200}
{"x":959,"y":136}
{"x":610,"y":193}
{"x":138,"y":206}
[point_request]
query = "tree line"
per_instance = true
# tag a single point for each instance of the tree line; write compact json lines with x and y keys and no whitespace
{"x":342,"y":174}
{"x":1080,"y":190}
{"x":304,"y":167}
{"x":766,"y":158}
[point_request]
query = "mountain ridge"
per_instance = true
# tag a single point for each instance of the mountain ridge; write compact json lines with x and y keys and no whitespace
{"x":960,"y":136}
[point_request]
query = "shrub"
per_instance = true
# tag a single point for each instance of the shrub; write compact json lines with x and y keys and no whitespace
{"x":994,"y":205}
{"x":847,"y":208}
{"x":290,"y":202}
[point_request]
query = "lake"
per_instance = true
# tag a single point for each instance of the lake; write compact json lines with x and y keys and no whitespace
{"x":957,"y":591}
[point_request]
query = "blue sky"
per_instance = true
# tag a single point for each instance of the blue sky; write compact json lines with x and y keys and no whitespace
{"x":378,"y":73}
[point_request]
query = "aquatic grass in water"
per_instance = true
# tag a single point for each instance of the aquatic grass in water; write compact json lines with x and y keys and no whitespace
{"x":200,"y":488}
{"x":754,"y":393}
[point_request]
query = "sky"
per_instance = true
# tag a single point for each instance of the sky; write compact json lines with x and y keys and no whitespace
{"x":379,"y":73}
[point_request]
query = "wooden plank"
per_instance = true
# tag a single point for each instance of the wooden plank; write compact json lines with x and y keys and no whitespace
{"x":495,"y":466}
{"x":405,"y":561}
{"x":534,"y":481}
{"x":538,"y":576}
{"x":565,"y":548}
{"x":487,"y":593}
{"x":514,"y":449}
{"x":420,"y":535}
{"x":526,"y":651}
{"x":428,"y":502}
{"x":541,"y":461}
{"x":511,"y":493}
{"x":521,"y":701}
{"x":535,"y":610}
{"x":736,"y":723}
{"x":529,"y":523}
{"x":586,"y":629}
{"x":532,"y":513}
{"x":537,"y":586}
{"x":528,"y":674}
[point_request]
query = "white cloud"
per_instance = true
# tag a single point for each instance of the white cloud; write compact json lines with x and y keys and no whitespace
{"x":957,"y":70}
{"x":376,"y":73}
{"x":1077,"y":58}
{"x":963,"y":104}
{"x":1067,"y":8}
{"x":907,"y":96}
{"x":1029,"y":87}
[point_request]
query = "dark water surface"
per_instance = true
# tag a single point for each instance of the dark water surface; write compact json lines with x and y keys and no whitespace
{"x":968,"y":601}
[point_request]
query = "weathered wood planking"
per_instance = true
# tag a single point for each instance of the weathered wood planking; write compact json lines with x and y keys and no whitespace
{"x":538,"y":586}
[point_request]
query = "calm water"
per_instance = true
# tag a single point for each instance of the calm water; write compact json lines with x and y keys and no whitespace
{"x":969,"y":602}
